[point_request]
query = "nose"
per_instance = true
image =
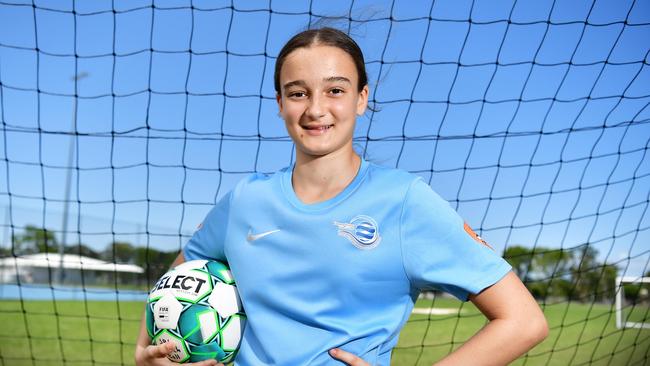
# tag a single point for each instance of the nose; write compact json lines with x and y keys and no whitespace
{"x":316,"y":107}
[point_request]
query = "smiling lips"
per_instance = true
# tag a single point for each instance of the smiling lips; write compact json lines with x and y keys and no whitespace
{"x":316,"y":130}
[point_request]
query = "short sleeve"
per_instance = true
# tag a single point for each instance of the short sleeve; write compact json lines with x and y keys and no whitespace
{"x":208,"y":241}
{"x":440,"y":251}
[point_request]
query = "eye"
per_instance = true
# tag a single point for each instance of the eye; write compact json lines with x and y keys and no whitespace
{"x":296,"y":94}
{"x":336,"y":91}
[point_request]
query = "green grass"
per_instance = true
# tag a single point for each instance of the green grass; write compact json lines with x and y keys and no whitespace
{"x":32,"y":334}
{"x":580,"y":334}
{"x":637,"y":313}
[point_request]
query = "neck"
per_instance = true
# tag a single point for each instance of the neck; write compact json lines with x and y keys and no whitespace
{"x":319,"y":178}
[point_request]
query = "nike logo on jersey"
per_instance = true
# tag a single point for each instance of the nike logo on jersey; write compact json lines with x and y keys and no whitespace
{"x":252,"y":237}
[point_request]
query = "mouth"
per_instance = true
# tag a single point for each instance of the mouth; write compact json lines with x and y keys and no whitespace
{"x":316,"y":130}
{"x":317,"y":127}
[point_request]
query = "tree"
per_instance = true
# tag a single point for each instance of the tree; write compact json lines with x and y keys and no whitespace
{"x":519,"y":258}
{"x":119,"y":252}
{"x":5,"y":252}
{"x":155,"y":262}
{"x":551,"y":263}
{"x":561,"y":272}
{"x":83,"y":250}
{"x":592,"y":280}
{"x":34,"y":240}
{"x":607,"y":284}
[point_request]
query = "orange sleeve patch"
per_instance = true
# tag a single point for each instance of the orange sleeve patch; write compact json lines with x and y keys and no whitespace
{"x":474,"y":236}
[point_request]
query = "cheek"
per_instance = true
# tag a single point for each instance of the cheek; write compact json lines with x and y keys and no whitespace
{"x":291,"y":124}
{"x":346,"y":108}
{"x":291,"y":112}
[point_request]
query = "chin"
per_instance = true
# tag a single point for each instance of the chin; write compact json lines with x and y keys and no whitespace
{"x":314,"y":153}
{"x":312,"y":148}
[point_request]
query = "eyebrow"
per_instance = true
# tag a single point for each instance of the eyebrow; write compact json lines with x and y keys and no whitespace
{"x":337,"y":78}
{"x":327,"y":79}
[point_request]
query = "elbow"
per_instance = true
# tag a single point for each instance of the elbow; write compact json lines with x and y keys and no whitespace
{"x":545,"y":330}
{"x":537,"y":329}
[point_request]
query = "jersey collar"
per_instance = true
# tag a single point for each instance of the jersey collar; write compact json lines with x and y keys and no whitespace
{"x":290,"y":194}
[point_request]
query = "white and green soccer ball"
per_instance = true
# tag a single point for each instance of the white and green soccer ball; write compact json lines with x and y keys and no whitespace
{"x":196,"y":307}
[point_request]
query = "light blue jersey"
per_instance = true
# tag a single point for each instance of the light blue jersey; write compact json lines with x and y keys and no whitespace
{"x":340,"y":273}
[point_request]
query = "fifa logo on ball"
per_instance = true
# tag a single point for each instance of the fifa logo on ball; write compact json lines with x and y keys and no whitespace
{"x":163,"y":313}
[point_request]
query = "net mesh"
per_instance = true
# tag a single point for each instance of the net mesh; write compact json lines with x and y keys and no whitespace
{"x":123,"y":122}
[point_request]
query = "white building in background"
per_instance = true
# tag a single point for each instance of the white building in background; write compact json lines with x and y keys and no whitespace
{"x":44,"y":268}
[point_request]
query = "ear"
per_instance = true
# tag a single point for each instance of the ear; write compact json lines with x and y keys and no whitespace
{"x":362,"y":102}
{"x":278,"y":98}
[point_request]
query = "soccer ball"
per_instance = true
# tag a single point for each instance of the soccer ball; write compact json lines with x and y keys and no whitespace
{"x":196,"y":306}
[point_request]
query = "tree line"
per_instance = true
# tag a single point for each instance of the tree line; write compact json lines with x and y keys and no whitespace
{"x":573,"y":274}
{"x":38,"y":240}
{"x":549,"y":273}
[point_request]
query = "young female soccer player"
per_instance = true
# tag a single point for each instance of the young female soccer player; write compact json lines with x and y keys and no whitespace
{"x":330,"y":254}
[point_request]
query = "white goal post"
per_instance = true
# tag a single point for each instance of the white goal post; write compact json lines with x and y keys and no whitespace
{"x":619,"y":302}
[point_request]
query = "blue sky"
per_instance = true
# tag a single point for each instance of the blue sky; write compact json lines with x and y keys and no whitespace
{"x":535,"y":129}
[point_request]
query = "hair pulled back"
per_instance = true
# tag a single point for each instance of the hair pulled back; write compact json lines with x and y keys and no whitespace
{"x":326,"y":37}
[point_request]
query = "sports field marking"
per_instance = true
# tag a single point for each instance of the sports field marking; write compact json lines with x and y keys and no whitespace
{"x":435,"y":311}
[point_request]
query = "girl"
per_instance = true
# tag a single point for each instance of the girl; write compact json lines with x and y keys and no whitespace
{"x":331,"y":253}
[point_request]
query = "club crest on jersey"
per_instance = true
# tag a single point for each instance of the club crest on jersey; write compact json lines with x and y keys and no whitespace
{"x":362,"y":231}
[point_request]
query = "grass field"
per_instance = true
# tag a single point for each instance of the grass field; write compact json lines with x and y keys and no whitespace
{"x":580,"y":334}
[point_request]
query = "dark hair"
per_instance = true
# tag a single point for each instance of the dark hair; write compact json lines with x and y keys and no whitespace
{"x":323,"y":36}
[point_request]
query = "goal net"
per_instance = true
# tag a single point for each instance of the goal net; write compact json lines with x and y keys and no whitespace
{"x":123,"y":122}
{"x":633,"y":302}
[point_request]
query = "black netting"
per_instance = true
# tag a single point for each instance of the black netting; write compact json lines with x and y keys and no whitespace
{"x":124,"y":121}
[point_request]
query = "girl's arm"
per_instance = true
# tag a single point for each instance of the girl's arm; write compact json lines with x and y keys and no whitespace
{"x":516,"y":325}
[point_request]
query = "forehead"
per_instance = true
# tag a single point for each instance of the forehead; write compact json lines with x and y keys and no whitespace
{"x":318,"y":62}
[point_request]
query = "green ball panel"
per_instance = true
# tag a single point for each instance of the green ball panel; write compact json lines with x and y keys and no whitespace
{"x":229,"y":357}
{"x":188,"y":323}
{"x":215,"y":267}
{"x":221,"y":271}
{"x":149,"y":320}
{"x":206,"y":352}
